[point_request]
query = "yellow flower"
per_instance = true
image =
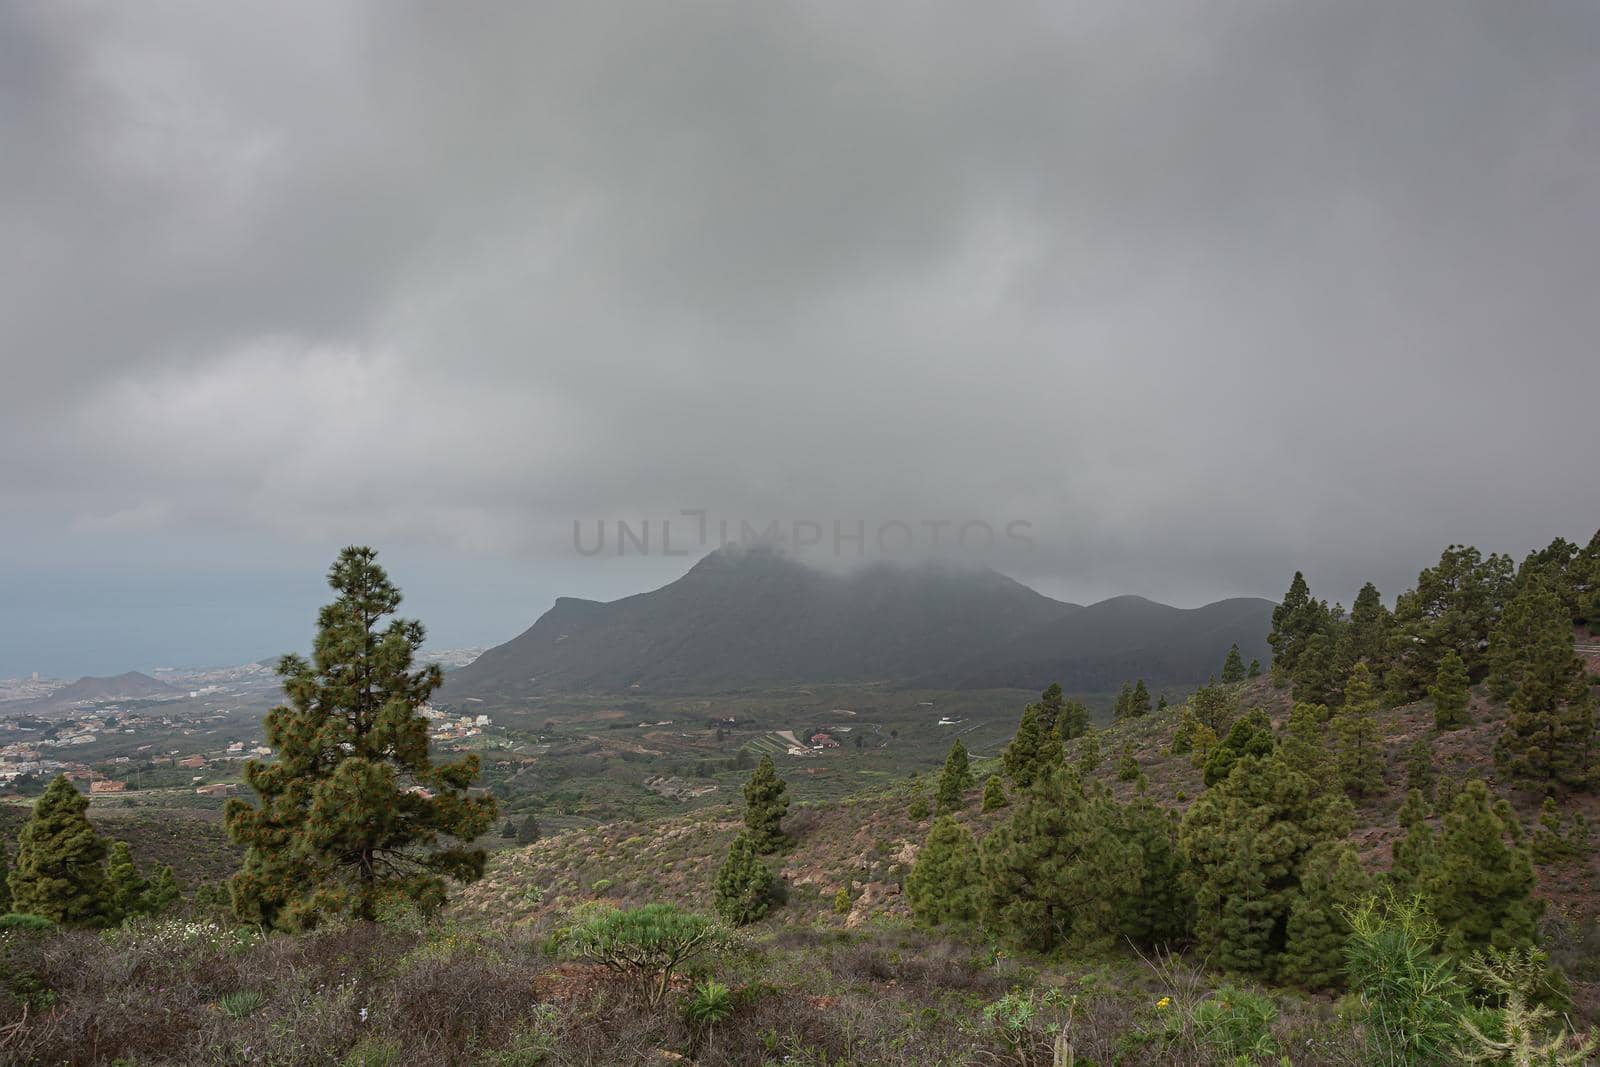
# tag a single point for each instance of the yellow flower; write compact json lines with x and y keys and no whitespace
{"x":1164,"y":1003}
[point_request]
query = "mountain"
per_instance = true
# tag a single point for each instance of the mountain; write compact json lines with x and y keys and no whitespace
{"x":129,"y":686}
{"x":753,"y":617}
{"x":1105,"y":644}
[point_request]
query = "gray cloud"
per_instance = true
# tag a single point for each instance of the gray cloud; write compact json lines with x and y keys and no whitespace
{"x":1205,"y":292}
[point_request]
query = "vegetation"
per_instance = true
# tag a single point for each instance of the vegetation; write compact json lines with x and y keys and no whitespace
{"x":352,"y":809}
{"x":766,"y":800}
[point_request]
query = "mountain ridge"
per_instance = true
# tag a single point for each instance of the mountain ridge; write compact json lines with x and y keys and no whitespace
{"x":752,"y":617}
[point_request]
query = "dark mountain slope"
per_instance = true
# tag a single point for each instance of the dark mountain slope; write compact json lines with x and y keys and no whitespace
{"x":1108,"y":643}
{"x":743,"y":618}
{"x":751,"y":618}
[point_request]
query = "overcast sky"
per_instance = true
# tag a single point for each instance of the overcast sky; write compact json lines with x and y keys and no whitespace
{"x":1203,"y":293}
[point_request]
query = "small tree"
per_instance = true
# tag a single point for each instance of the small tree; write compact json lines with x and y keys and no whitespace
{"x":943,"y":884}
{"x":163,"y":891}
{"x":743,"y":888}
{"x":1127,"y":764}
{"x":1450,"y":692}
{"x":645,"y":945}
{"x":1089,"y":752}
{"x":766,"y":799}
{"x":1255,"y":669}
{"x":1359,"y":754}
{"x":994,"y":794}
{"x":1480,"y":886}
{"x":1420,"y":774}
{"x":127,"y":888}
{"x":1033,"y":750}
{"x":528,"y":831}
{"x":60,"y":873}
{"x":352,"y":810}
{"x":1139,"y":704}
{"x":1073,"y":720}
{"x":509,"y":830}
{"x":955,"y":779}
{"x":1233,"y":667}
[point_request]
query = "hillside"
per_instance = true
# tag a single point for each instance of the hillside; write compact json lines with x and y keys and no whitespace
{"x":867,"y":844}
{"x":750,"y":618}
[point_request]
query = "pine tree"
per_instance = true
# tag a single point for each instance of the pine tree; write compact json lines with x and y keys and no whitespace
{"x":508,"y":830}
{"x":1453,"y":607}
{"x":1089,"y":753}
{"x":163,"y":891}
{"x":1123,"y":708}
{"x":1358,"y":756}
{"x":1416,"y":853}
{"x":352,"y":810}
{"x":1480,"y":886}
{"x":1554,"y":840}
{"x":1215,"y":706}
{"x":1420,"y":775}
{"x":1073,"y":720}
{"x":1288,"y":629}
{"x":1250,"y":736}
{"x":766,"y":799}
{"x":1245,"y":842}
{"x":1158,"y":909}
{"x":1183,"y":736}
{"x":994,"y":795}
{"x":1139,"y":702}
{"x":743,"y":888}
{"x":1033,"y":750}
{"x":1304,"y":743}
{"x":125,"y":885}
{"x":1127,"y":764}
{"x":528,"y":831}
{"x":1233,"y":667}
{"x":60,"y":873}
{"x":1055,"y":869}
{"x":1332,"y":881}
{"x":1316,"y":670}
{"x":1450,"y":692}
{"x":942,"y":887}
{"x":1366,"y":635}
{"x":1255,"y":669}
{"x":955,"y":779}
{"x":1549,"y":731}
{"x":1051,"y":705}
{"x":919,"y":808}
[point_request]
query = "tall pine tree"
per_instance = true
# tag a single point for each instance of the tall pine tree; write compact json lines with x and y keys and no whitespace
{"x":1480,"y":882}
{"x":954,"y":780}
{"x":352,"y":810}
{"x":1549,"y":731}
{"x":1358,"y":755}
{"x":1450,"y":692}
{"x":61,"y":862}
{"x":1233,"y":666}
{"x":766,"y":799}
{"x":943,"y":886}
{"x":1055,"y":870}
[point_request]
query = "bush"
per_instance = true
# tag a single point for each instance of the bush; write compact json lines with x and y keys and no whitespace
{"x":1409,"y":998}
{"x":1236,"y":1024}
{"x":645,"y":945}
{"x":16,"y":920}
{"x":238,"y":1005}
{"x":709,"y":1004}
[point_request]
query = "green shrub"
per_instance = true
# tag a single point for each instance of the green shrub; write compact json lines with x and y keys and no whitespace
{"x":1409,"y":998}
{"x":1236,"y":1024}
{"x":373,"y":1052}
{"x":709,"y":1004}
{"x":645,"y":945}
{"x":238,"y":1005}
{"x":16,"y":920}
{"x":841,"y":901}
